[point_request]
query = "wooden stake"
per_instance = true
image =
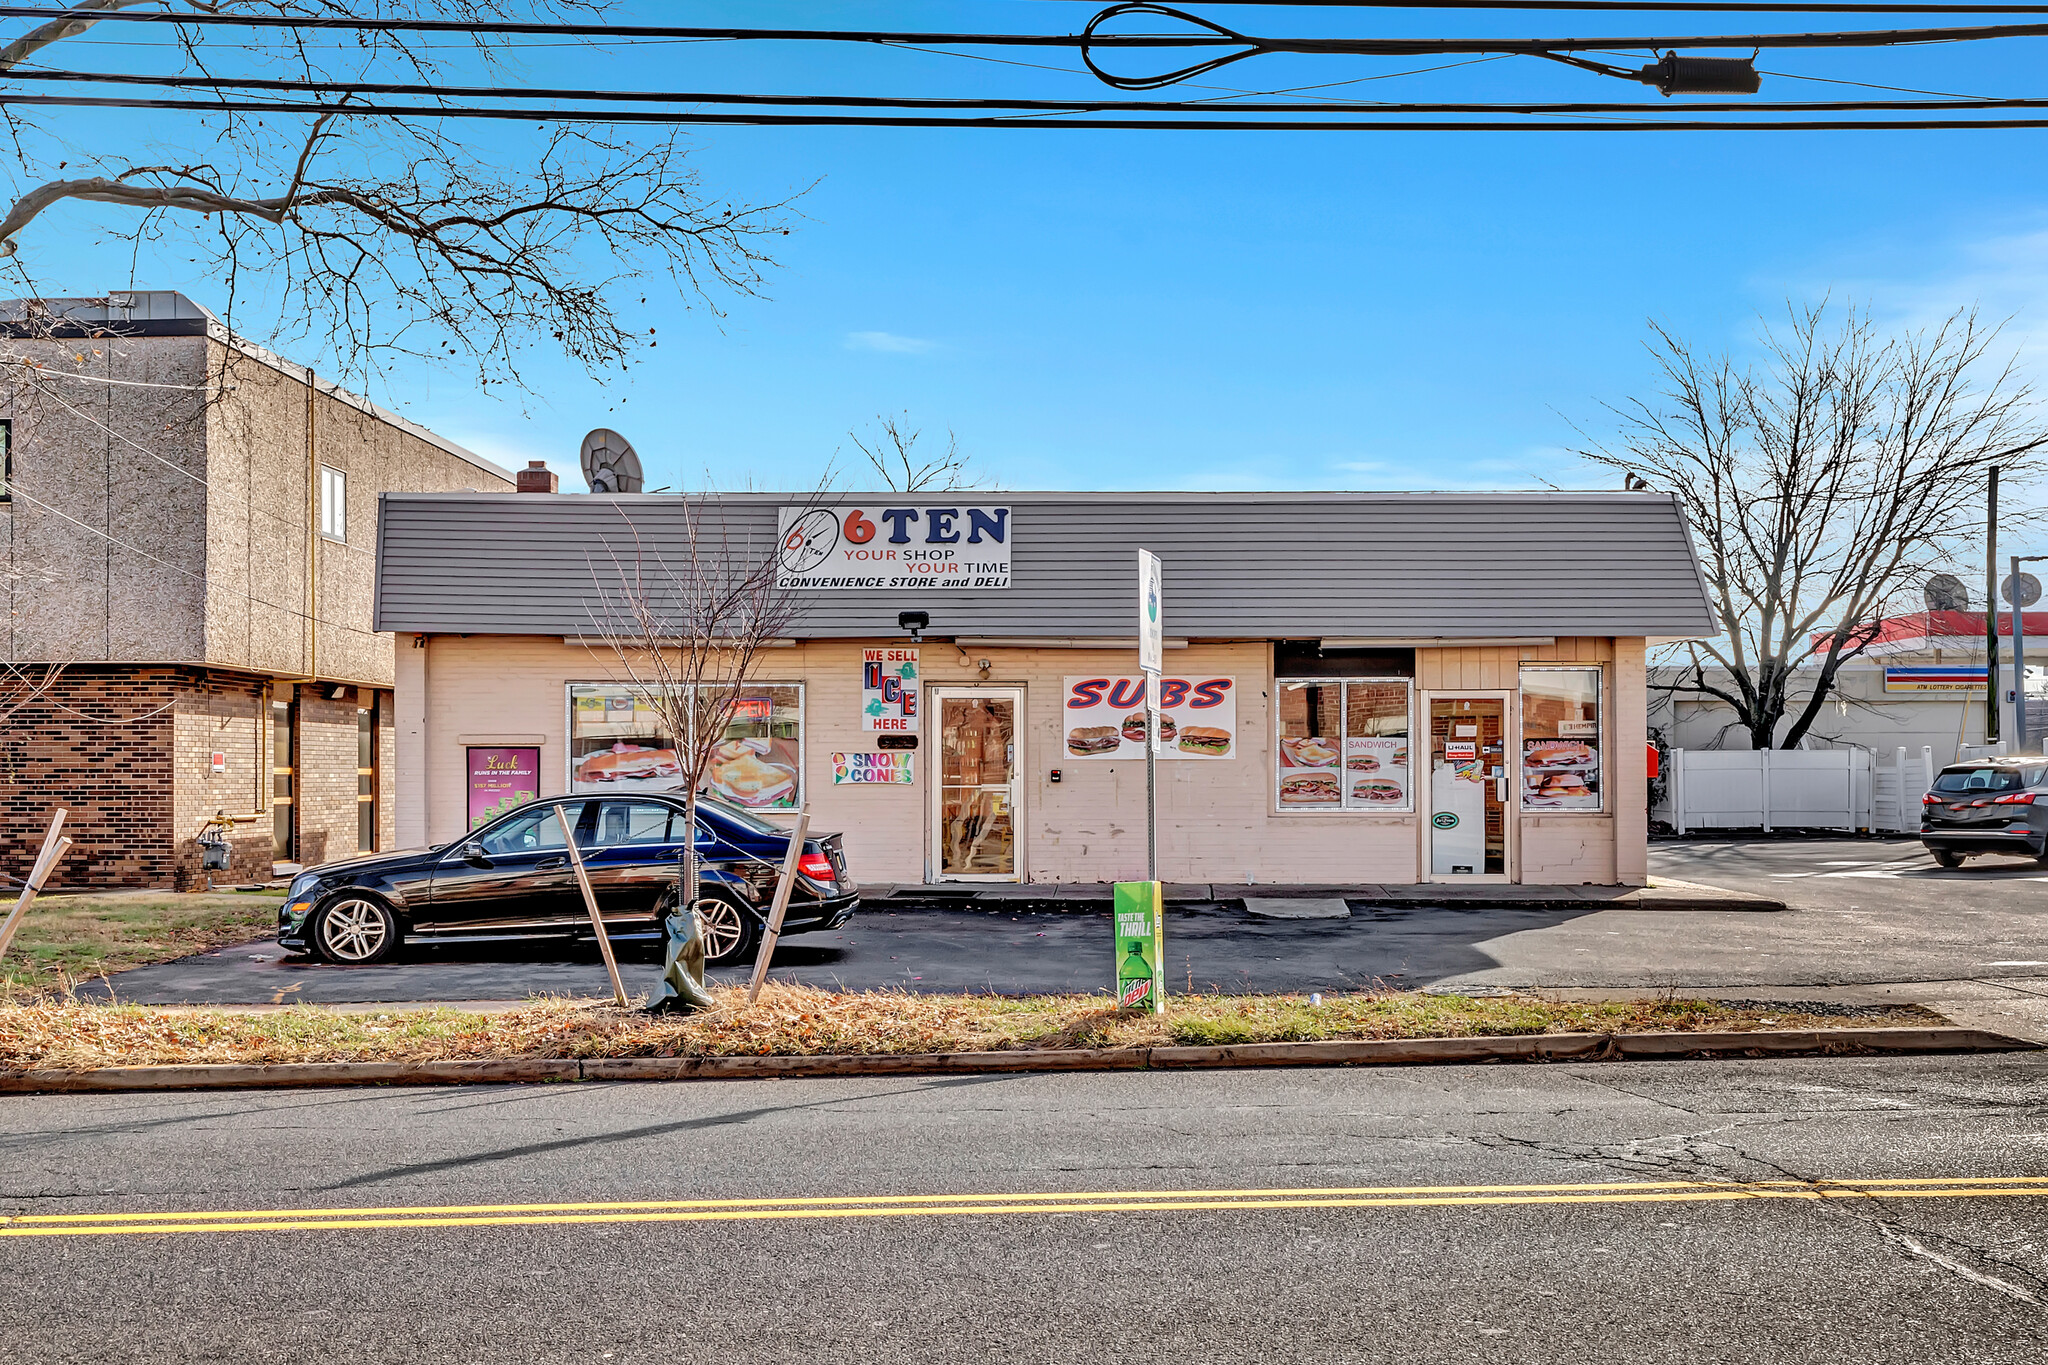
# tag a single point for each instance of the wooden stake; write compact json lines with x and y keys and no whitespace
{"x":47,"y":857}
{"x":783,"y":886}
{"x":604,"y":941}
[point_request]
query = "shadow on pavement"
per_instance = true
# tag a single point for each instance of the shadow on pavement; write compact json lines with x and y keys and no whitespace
{"x":1209,"y":949}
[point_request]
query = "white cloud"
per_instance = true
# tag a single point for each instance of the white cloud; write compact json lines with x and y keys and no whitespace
{"x":889,"y":342}
{"x":2003,"y":273}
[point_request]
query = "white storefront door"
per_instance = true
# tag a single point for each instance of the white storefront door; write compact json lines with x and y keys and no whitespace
{"x":977,"y":807}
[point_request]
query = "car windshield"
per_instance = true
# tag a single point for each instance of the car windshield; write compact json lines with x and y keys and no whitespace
{"x":1965,"y":780}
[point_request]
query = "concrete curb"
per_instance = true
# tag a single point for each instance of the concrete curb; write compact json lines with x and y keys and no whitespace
{"x":1548,"y":1047}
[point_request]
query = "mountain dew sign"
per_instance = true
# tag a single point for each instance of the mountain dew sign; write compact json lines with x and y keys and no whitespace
{"x":888,"y":691}
{"x":1140,"y":918}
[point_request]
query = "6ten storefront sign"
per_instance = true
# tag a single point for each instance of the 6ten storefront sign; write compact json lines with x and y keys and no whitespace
{"x":844,"y":549}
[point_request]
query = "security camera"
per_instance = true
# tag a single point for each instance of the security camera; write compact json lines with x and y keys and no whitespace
{"x":914,"y":622}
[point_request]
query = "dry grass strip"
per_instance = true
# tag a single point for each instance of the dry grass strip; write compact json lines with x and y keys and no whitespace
{"x":798,"y":1021}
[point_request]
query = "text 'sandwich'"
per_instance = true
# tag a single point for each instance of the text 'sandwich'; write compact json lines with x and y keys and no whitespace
{"x":1558,"y":753}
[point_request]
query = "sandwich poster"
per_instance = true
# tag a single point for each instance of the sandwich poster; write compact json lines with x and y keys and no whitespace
{"x":1369,"y":772}
{"x":1105,"y":717}
{"x":1560,"y":774}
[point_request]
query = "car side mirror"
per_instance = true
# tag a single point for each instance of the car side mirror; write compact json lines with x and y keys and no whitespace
{"x":474,"y":853}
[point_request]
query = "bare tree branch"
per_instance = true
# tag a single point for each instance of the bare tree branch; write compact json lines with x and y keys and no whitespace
{"x":384,"y":239}
{"x":891,"y":451}
{"x":1822,"y":487}
{"x":685,"y":606}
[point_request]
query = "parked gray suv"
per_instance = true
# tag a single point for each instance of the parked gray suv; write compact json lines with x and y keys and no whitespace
{"x":1991,"y":805}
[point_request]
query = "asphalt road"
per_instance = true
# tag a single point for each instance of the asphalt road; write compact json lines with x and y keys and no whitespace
{"x":1866,"y":911}
{"x":1479,"y":1267}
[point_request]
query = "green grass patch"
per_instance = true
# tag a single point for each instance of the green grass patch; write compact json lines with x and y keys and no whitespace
{"x":65,"y":939}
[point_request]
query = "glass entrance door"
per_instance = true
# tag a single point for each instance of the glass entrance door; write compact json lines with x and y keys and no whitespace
{"x":974,"y":799}
{"x":1468,"y":787}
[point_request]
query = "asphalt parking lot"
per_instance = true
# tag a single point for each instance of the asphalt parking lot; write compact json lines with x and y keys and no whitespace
{"x":1865,"y":911}
{"x":1842,"y":873}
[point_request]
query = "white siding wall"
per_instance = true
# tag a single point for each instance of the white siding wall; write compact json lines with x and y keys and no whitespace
{"x":1216,"y":821}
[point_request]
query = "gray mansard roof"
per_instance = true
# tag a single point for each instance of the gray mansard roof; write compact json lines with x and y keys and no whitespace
{"x":1237,"y":565}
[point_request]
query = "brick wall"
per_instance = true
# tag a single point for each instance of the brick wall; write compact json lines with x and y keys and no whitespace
{"x":224,"y":713}
{"x":326,"y":789}
{"x":114,"y":779}
{"x":387,"y":771}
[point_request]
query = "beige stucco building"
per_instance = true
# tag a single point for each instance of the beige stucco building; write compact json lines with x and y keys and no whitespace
{"x":189,"y":528}
{"x":1361,"y":688}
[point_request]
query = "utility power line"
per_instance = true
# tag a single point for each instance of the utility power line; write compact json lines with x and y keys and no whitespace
{"x":666,"y":117}
{"x":1705,"y":6}
{"x":1383,"y":47}
{"x":1032,"y":105}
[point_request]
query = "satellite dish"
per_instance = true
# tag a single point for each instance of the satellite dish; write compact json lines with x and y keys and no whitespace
{"x":2023,"y":590}
{"x":1945,"y":592}
{"x":610,"y":465}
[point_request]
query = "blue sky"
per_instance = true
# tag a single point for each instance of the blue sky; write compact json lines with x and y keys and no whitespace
{"x":1192,"y":310}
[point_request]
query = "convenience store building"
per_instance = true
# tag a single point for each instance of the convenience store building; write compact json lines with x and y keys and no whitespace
{"x":1361,"y":687}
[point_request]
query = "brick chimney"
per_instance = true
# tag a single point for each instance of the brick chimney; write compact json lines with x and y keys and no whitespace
{"x":537,"y":478}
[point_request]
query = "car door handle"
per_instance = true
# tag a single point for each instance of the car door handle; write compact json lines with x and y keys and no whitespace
{"x":550,"y":864}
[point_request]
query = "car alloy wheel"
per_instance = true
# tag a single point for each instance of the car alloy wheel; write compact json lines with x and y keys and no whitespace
{"x":355,"y":931}
{"x":729,"y":931}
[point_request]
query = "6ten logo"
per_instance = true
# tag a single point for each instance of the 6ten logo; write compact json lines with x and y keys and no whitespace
{"x":806,"y":544}
{"x":873,"y":547}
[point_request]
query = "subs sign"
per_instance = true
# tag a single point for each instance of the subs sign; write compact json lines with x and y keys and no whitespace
{"x":877,"y":546}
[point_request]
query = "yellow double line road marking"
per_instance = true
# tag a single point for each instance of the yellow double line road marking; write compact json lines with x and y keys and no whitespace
{"x":926,"y":1205}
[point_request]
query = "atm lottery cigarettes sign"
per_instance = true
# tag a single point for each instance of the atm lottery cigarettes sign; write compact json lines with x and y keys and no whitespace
{"x":1105,"y":717}
{"x":852,"y":549}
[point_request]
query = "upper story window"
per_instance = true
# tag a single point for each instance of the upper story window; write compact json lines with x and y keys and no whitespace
{"x":333,"y":503}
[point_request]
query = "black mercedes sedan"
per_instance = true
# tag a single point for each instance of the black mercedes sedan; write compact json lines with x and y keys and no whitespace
{"x":513,"y":878}
{"x":1991,"y":805}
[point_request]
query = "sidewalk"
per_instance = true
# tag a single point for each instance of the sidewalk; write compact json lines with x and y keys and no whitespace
{"x":1662,"y":893}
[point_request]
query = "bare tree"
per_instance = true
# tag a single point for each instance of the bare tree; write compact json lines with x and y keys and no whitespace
{"x":381,"y":237}
{"x":685,"y":606}
{"x":892,"y":451}
{"x":1822,"y":487}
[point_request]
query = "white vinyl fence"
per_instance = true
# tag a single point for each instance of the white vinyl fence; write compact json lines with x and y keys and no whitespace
{"x":1771,"y":789}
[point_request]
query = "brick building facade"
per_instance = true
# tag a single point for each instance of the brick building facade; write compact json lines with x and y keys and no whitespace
{"x":188,"y":526}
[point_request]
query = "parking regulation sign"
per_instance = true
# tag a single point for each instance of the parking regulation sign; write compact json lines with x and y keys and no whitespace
{"x":1151,"y":630}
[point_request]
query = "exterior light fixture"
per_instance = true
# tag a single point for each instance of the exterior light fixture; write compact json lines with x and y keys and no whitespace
{"x":914,"y":622}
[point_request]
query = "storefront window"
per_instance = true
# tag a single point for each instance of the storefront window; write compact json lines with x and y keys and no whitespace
{"x":1342,"y":744}
{"x":617,"y":743}
{"x":1561,"y":739}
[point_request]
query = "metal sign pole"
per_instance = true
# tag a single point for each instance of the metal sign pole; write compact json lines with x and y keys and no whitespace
{"x":1152,"y":663}
{"x":1151,"y":777}
{"x":2019,"y":659}
{"x":1991,"y":610}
